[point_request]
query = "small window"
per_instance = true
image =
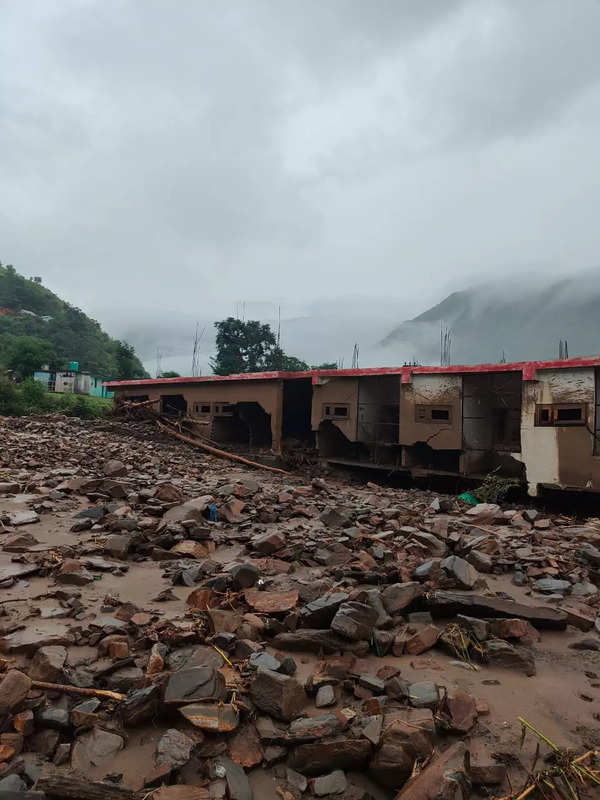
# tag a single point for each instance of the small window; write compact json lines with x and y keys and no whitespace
{"x":336,"y":411}
{"x":561,"y":414}
{"x":202,"y":409}
{"x":435,"y":415}
{"x":224,"y":409}
{"x":569,"y":414}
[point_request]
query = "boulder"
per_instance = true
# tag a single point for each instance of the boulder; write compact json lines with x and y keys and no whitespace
{"x":460,"y":572}
{"x":48,"y":664}
{"x":355,"y":621}
{"x":193,"y":684}
{"x":279,"y":695}
{"x":334,"y":783}
{"x":174,"y":748}
{"x":499,"y":653}
{"x":398,"y":596}
{"x":13,"y":690}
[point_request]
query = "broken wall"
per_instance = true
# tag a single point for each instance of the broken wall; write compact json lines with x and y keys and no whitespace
{"x":443,"y":391}
{"x":555,"y":455}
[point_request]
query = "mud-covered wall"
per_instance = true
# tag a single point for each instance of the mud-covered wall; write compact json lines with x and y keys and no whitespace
{"x":332,"y":391}
{"x":561,"y":456}
{"x":443,"y":390}
{"x":268,"y":394}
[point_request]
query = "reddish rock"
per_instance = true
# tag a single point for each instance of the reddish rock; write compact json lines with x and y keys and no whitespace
{"x":458,"y":712}
{"x":271,"y":602}
{"x":13,"y":690}
{"x":201,"y":599}
{"x":423,"y":640}
{"x":189,"y":548}
{"x":341,"y":753}
{"x":245,"y":747}
{"x":268,"y":543}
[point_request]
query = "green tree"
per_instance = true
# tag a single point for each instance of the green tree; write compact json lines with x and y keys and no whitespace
{"x":128,"y":365}
{"x":243,"y":347}
{"x":169,"y":374}
{"x":28,"y":353}
{"x":325,"y":365}
{"x":292,"y":364}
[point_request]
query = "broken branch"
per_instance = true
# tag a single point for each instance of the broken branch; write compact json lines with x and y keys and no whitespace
{"x":63,"y":687}
{"x":216,"y":452}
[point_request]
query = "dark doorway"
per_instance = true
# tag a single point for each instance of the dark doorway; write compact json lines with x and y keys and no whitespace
{"x":173,"y":405}
{"x":243,"y":423}
{"x":297,"y":406}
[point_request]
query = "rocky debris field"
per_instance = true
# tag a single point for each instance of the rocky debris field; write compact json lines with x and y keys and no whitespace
{"x":174,"y":626}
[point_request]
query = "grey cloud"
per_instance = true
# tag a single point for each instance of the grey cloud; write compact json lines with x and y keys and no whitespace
{"x":162,"y":161}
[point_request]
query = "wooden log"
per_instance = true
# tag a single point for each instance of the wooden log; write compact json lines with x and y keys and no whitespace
{"x":71,"y":786}
{"x":216,"y":452}
{"x":67,"y":689}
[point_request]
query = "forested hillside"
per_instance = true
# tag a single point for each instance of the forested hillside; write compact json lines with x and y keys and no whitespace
{"x":73,"y":336}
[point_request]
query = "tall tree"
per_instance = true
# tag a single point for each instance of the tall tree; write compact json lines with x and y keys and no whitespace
{"x":243,"y":347}
{"x":28,"y":353}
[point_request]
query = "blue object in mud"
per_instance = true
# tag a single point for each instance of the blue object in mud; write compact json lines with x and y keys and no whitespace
{"x":213,"y":516}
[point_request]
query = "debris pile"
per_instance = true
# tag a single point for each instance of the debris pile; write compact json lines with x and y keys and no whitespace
{"x":173,"y":626}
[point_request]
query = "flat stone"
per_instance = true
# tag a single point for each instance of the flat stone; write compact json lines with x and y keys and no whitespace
{"x":399,"y":596}
{"x":29,"y":640}
{"x":193,"y":684}
{"x":271,"y":602}
{"x":192,"y":510}
{"x":341,"y":753}
{"x":174,"y":748}
{"x":279,"y":695}
{"x":317,"y":641}
{"x":220,"y":717}
{"x":94,"y":748}
{"x":310,"y":729}
{"x":268,"y":543}
{"x":245,"y":747}
{"x":28,"y":517}
{"x":114,"y":468}
{"x":53,"y":717}
{"x":478,"y":627}
{"x":552,"y":586}
{"x":448,"y":604}
{"x":334,"y":783}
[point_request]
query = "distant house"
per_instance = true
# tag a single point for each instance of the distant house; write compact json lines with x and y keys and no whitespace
{"x":72,"y":382}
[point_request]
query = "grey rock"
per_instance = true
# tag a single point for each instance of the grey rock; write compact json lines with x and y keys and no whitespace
{"x":334,"y":518}
{"x":264,"y":660}
{"x":590,"y":553}
{"x":355,"y":621}
{"x":424,"y":571}
{"x":276,"y":694}
{"x":238,"y":785}
{"x":460,"y":571}
{"x":12,"y":783}
{"x":478,"y":627}
{"x":174,"y":748}
{"x":244,"y":576}
{"x":502,"y":654}
{"x":372,"y":683}
{"x":23,"y":518}
{"x":586,"y":644}
{"x":93,"y":748}
{"x":193,"y":684}
{"x":399,"y":596}
{"x":334,"y":783}
{"x":320,"y":612}
{"x":552,"y":586}
{"x":295,"y":779}
{"x":325,"y":697}
{"x":584,"y":590}
{"x":48,"y":664}
{"x":423,"y":694}
{"x":118,"y":545}
{"x":53,"y":717}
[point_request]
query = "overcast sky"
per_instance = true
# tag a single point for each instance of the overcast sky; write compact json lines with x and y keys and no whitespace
{"x":174,"y":158}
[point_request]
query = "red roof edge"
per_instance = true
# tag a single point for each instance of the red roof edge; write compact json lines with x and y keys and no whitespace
{"x":526,"y":367}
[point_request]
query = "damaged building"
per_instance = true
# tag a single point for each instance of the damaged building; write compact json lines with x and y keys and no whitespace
{"x":537,"y":421}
